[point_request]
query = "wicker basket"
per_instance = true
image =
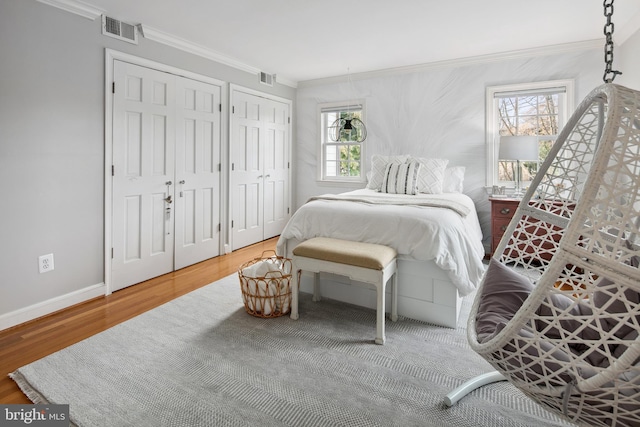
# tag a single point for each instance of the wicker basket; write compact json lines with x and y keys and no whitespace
{"x":270,"y":295}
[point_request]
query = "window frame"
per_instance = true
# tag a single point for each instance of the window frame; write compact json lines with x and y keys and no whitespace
{"x":492,"y":137}
{"x":327,"y":107}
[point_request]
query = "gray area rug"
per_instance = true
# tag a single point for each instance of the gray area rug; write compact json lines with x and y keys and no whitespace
{"x":201,"y":360}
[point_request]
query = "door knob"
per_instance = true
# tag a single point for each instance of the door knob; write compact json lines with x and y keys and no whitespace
{"x":168,"y":199}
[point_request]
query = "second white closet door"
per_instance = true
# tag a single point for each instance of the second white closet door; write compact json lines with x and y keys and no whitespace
{"x":260,"y":165}
{"x":276,"y":167}
{"x":247,"y":136}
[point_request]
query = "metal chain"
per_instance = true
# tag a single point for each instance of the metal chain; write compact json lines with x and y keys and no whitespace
{"x":609,"y":74}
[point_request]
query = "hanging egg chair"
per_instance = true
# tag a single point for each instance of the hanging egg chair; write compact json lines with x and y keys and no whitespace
{"x":558,"y":311}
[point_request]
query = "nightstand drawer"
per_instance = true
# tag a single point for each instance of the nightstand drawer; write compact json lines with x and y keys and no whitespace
{"x":503,"y":209}
{"x":498,"y":227}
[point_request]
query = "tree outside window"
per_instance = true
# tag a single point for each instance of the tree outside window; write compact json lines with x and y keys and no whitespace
{"x":528,"y":115}
{"x":537,"y":109}
{"x":341,"y":156}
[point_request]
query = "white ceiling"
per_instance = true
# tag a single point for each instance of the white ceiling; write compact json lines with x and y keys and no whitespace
{"x":309,"y":39}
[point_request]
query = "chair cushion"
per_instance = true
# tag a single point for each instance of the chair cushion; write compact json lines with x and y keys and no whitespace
{"x":360,"y":254}
{"x":504,"y":291}
{"x":502,"y":294}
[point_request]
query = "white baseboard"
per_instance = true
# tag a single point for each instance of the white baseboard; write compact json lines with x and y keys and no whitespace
{"x":52,"y":305}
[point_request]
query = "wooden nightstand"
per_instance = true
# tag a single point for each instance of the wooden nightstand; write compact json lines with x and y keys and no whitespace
{"x":502,"y":210}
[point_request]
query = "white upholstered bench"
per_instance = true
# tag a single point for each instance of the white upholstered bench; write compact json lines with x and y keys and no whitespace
{"x":364,"y":262}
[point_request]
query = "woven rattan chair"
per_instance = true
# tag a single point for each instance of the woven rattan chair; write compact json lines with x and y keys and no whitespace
{"x":558,"y":312}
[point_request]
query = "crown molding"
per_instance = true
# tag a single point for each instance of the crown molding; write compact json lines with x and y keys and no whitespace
{"x":196,"y":49}
{"x":460,"y":62}
{"x":91,"y":12}
{"x":187,"y":46}
{"x":285,"y":81}
{"x":76,"y":7}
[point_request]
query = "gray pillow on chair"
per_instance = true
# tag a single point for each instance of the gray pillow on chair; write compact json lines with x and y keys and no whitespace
{"x":503,"y":292}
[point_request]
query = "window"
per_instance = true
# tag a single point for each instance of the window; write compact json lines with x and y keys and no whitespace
{"x":341,"y":157}
{"x":535,"y":109}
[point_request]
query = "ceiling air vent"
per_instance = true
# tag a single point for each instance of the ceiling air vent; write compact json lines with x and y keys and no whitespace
{"x":120,"y":30}
{"x":267,"y":79}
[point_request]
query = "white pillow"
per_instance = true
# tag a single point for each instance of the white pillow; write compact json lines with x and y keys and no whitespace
{"x":401,"y":178}
{"x":378,"y":165}
{"x":431,"y":174}
{"x":453,"y":179}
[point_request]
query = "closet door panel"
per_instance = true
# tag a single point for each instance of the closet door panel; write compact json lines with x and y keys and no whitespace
{"x":143,"y":163}
{"x":197,"y":188}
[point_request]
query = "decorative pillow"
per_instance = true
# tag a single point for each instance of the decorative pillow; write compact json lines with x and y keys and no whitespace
{"x":401,"y":178}
{"x":378,"y":166}
{"x":453,"y":179}
{"x":431,"y":174}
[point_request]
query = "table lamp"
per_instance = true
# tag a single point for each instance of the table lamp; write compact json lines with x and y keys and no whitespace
{"x":518,"y":148}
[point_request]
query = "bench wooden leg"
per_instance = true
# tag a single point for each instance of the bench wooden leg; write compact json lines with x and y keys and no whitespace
{"x":316,"y":287}
{"x":380,"y":314}
{"x":394,"y":297}
{"x":295,"y":288}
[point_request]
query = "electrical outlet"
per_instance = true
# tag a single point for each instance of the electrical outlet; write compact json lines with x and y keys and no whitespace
{"x":45,"y":263}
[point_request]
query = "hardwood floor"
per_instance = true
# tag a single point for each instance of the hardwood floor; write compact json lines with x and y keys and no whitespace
{"x":34,"y":340}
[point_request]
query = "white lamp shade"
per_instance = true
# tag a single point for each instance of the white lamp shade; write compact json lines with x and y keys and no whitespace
{"x":520,"y":147}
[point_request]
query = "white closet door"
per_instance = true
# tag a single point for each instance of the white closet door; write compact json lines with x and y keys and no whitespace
{"x":166,"y":180}
{"x":247,"y":180}
{"x":276,"y":167}
{"x":197,"y":191}
{"x":143,"y":161}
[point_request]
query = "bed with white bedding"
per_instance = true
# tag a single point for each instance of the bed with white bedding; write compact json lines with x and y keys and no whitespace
{"x":437,"y":237}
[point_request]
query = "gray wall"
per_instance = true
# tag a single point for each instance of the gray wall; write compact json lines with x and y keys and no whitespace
{"x":52,"y":145}
{"x":434,"y":112}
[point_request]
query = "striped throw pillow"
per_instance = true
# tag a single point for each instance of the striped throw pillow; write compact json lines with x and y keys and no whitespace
{"x":401,"y":178}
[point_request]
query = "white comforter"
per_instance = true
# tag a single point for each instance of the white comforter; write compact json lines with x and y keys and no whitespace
{"x":410,"y":224}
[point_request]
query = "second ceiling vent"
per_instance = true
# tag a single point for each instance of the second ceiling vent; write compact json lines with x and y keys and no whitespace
{"x":267,"y":79}
{"x":120,"y":30}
